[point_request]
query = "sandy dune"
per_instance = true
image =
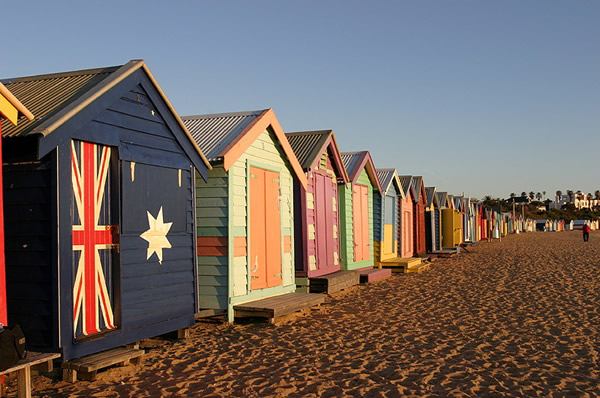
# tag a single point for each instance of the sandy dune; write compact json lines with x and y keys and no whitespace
{"x":518,"y":317}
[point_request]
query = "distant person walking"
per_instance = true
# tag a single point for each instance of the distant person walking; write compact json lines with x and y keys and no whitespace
{"x":586,"y":232}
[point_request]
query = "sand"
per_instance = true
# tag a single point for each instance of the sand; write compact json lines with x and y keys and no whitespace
{"x":518,"y":317}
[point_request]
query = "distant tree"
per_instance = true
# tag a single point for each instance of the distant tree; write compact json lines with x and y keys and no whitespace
{"x":523,"y":194}
{"x":570,"y":193}
{"x":597,"y":195}
{"x":512,"y":194}
{"x":538,"y":196}
{"x":559,"y":194}
{"x":531,"y":195}
{"x":579,"y":195}
{"x":589,"y":196}
{"x":487,"y":198}
{"x":544,"y":193}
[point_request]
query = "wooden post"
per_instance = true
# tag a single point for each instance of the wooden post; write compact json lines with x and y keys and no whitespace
{"x":24,"y":382}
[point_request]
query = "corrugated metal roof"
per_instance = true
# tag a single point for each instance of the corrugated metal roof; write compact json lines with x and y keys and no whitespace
{"x":417,"y":181}
{"x":46,"y":95}
{"x":350,"y":160}
{"x":430,"y":193}
{"x":406,"y":182}
{"x":385,"y":177}
{"x":214,"y":132}
{"x":307,"y":145}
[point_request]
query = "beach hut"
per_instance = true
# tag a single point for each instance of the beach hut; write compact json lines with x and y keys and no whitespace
{"x":432,"y":221}
{"x":388,"y":225}
{"x":316,"y":226}
{"x":451,"y":224}
{"x":406,"y":241}
{"x":356,"y":213}
{"x":245,"y":212}
{"x":419,"y":204}
{"x":99,"y":234}
{"x":442,"y":200}
{"x":387,"y":217}
{"x":11,"y":110}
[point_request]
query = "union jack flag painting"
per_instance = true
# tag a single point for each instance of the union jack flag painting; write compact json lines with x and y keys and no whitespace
{"x":93,"y":238}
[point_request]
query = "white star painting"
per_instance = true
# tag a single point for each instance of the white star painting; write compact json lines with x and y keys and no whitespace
{"x":156,"y":235}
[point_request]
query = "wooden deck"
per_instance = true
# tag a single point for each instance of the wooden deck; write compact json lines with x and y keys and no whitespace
{"x":278,"y":306}
{"x":375,"y":274}
{"x":444,"y":253}
{"x":34,"y":361}
{"x":87,"y":367}
{"x":333,"y":282}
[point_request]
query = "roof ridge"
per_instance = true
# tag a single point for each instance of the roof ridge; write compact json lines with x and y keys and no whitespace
{"x":312,"y":132}
{"x":223,"y":114}
{"x":95,"y":71}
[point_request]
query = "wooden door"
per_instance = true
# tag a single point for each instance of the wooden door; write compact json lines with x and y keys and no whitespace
{"x":325,"y":219}
{"x":95,"y":236}
{"x":360,"y":209}
{"x":321,"y":220}
{"x":407,"y":227}
{"x":265,"y":229}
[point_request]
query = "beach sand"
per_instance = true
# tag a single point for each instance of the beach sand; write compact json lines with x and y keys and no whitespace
{"x":518,"y":317}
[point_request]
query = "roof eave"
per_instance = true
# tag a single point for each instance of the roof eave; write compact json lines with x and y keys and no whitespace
{"x":16,"y":104}
{"x":242,"y":142}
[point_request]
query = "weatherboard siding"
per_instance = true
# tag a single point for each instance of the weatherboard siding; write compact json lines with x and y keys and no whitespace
{"x":212,"y":239}
{"x":29,"y":248}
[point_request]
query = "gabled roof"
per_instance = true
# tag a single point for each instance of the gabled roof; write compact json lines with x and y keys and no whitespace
{"x":458,"y":203}
{"x":407,"y":186}
{"x":214,"y":132}
{"x":451,"y":203}
{"x":11,"y":108}
{"x":355,"y":162}
{"x":417,"y":183}
{"x":387,"y":177}
{"x":56,"y":98}
{"x":431,"y":196}
{"x":310,"y":145}
{"x":226,"y":136}
{"x":442,"y":198}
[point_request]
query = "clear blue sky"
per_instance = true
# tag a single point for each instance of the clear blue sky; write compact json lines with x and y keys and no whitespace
{"x":480,"y":97}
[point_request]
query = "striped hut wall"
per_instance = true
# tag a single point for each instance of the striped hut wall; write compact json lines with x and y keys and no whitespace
{"x":212,"y":239}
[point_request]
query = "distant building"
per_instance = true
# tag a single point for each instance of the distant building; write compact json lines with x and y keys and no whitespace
{"x":560,"y":201}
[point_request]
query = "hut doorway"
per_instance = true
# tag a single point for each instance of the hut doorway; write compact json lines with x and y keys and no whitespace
{"x":325,"y":200}
{"x":95,"y":237}
{"x":265,"y":229}
{"x":360,"y":200}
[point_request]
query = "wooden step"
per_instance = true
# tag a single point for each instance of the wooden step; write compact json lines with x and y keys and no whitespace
{"x":419,"y":268}
{"x":334,"y":282}
{"x":375,"y":274}
{"x":274,"y":307}
{"x":401,"y":264}
{"x":87,"y":367}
